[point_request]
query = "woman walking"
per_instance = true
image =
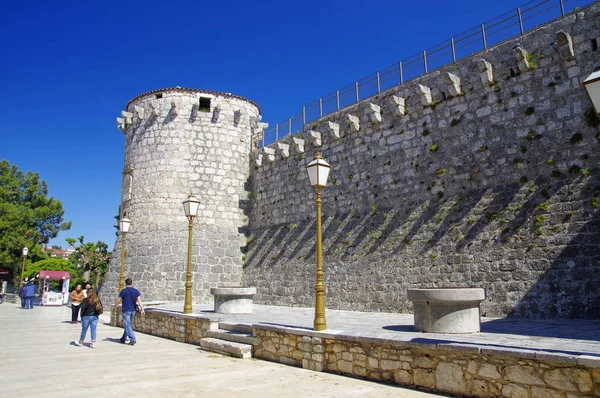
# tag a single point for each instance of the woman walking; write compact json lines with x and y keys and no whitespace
{"x":91,"y":307}
{"x":77,"y":297}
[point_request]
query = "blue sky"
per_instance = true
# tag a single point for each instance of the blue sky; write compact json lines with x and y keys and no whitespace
{"x":69,"y":67}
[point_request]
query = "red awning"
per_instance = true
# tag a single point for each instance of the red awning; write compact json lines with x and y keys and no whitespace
{"x":3,"y":271}
{"x":55,"y":274}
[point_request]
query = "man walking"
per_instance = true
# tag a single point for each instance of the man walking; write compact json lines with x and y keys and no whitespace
{"x":29,"y":294}
{"x":129,"y":297}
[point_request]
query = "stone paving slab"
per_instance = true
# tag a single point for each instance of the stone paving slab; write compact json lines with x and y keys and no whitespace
{"x":563,"y":340}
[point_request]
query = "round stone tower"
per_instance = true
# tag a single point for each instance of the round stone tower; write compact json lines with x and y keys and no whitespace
{"x":180,"y":141}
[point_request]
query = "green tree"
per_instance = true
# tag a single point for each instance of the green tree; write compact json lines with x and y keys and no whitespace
{"x":93,"y":256}
{"x":28,"y":217}
{"x":51,"y":264}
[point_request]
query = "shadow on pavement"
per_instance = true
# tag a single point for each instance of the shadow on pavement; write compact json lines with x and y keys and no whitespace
{"x":558,"y":328}
{"x":400,"y":328}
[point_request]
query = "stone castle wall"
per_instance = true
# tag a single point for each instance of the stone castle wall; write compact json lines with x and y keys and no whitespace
{"x":173,"y":147}
{"x":491,"y":181}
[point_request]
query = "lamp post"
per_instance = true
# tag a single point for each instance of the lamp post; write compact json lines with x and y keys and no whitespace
{"x":124,"y":224}
{"x":318,"y":172}
{"x":25,"y":251}
{"x":592,"y":88}
{"x":190,"y":207}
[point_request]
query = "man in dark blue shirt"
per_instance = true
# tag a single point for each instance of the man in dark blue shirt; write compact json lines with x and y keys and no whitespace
{"x":129,"y":297}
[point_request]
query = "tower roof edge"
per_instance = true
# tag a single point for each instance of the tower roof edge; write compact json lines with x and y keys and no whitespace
{"x":193,"y":90}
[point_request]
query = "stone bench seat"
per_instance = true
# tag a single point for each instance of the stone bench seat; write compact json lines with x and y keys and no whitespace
{"x":447,"y":310}
{"x":233,"y":300}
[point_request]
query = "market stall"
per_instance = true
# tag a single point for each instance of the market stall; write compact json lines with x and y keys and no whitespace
{"x":50,"y":297}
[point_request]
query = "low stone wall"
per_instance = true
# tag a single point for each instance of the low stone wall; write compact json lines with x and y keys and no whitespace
{"x":456,"y":368}
{"x":175,"y":326}
{"x":459,"y":369}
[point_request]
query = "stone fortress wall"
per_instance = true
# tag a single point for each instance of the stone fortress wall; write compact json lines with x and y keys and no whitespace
{"x":483,"y":173}
{"x":179,"y":141}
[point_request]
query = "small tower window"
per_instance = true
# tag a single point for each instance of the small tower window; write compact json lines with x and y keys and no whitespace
{"x":204,"y":104}
{"x":159,"y":95}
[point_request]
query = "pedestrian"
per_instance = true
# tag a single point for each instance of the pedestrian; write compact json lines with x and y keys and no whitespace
{"x":22,"y":294}
{"x":29,"y":292}
{"x":87,"y":286}
{"x":129,"y":297}
{"x":76,"y":300}
{"x":91,"y":308}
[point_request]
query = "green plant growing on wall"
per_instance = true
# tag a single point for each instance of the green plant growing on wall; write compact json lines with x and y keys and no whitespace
{"x":595,"y":202}
{"x":440,"y":195}
{"x":433,"y":148}
{"x":496,"y":89}
{"x":539,"y":231}
{"x":440,"y":171}
{"x":400,"y":132}
{"x":523,"y":179}
{"x":574,"y":169}
{"x":539,"y":220}
{"x":373,"y":211}
{"x":425,"y":133}
{"x":531,"y":60}
{"x":550,"y":161}
{"x":483,"y":148}
{"x":555,"y":174}
{"x":585,"y":172}
{"x":543,"y":206}
{"x":531,"y":135}
{"x":529,"y":111}
{"x":492,"y":216}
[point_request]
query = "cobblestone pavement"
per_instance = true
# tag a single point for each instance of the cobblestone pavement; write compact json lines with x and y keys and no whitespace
{"x":38,"y":359}
{"x":562,"y":336}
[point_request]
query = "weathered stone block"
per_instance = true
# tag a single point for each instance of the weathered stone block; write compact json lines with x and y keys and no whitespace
{"x":453,"y":83}
{"x":565,"y":45}
{"x":298,"y":144}
{"x":315,"y":137}
{"x":568,"y":379}
{"x":523,"y":374}
{"x":399,"y":105}
{"x":425,"y":95}
{"x":353,"y":122}
{"x":424,"y":378}
{"x":449,"y":377}
{"x":486,"y":73}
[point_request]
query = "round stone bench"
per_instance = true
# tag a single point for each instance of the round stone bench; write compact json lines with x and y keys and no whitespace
{"x":233,"y":300}
{"x":447,"y":310}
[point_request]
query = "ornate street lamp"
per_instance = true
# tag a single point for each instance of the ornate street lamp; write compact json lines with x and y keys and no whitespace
{"x":318,"y":172}
{"x":190,"y":207}
{"x":592,"y":88}
{"x":124,"y":224}
{"x":25,"y":251}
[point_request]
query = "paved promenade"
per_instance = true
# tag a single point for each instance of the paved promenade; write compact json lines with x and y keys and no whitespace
{"x":561,"y":338}
{"x":38,"y":359}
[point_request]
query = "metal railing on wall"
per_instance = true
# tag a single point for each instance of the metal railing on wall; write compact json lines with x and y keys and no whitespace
{"x":506,"y":26}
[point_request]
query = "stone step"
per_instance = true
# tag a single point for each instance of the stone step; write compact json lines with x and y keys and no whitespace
{"x":237,"y":327}
{"x":238,"y":350}
{"x":232,"y":335}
